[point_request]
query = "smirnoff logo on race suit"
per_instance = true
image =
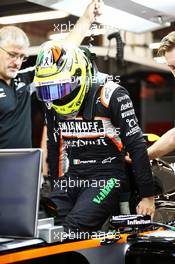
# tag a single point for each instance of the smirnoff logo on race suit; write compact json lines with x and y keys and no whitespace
{"x":87,"y":128}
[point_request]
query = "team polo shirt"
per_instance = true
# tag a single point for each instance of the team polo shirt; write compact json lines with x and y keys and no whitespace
{"x":15,"y":111}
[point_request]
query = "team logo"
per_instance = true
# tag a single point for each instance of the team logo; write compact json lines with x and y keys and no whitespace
{"x":2,"y":93}
{"x":78,"y":161}
{"x":108,"y":160}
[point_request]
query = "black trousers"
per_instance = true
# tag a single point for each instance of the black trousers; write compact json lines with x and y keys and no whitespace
{"x":84,"y":203}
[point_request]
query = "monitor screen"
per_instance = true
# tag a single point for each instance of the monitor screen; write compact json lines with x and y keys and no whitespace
{"x":20,"y":174}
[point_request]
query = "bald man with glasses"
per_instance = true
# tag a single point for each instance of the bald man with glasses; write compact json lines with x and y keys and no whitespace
{"x":15,"y":56}
{"x":15,"y":112}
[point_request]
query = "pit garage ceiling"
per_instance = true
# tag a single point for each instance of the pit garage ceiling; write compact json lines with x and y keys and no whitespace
{"x":150,"y":14}
{"x":155,"y":16}
{"x":130,"y":15}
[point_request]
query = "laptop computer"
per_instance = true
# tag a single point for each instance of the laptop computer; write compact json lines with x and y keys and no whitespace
{"x":20,"y":176}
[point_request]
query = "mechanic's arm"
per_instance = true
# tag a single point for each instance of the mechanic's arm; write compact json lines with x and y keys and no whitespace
{"x":163,"y":146}
{"x":75,"y":38}
{"x":80,"y":29}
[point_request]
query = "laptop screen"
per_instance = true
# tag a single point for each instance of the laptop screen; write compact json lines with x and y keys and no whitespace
{"x":20,"y":171}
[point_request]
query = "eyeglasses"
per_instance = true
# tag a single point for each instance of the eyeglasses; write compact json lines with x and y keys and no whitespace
{"x":14,"y":55}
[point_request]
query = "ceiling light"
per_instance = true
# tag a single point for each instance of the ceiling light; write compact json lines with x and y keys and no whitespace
{"x":58,"y":36}
{"x":160,"y":60}
{"x":154,"y":45}
{"x":62,"y":35}
{"x":39,"y":16}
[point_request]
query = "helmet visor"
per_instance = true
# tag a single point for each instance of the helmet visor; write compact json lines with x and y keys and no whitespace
{"x":51,"y":92}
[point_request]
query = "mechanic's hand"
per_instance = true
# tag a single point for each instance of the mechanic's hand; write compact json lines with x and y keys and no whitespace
{"x":146,"y":206}
{"x":93,"y":10}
